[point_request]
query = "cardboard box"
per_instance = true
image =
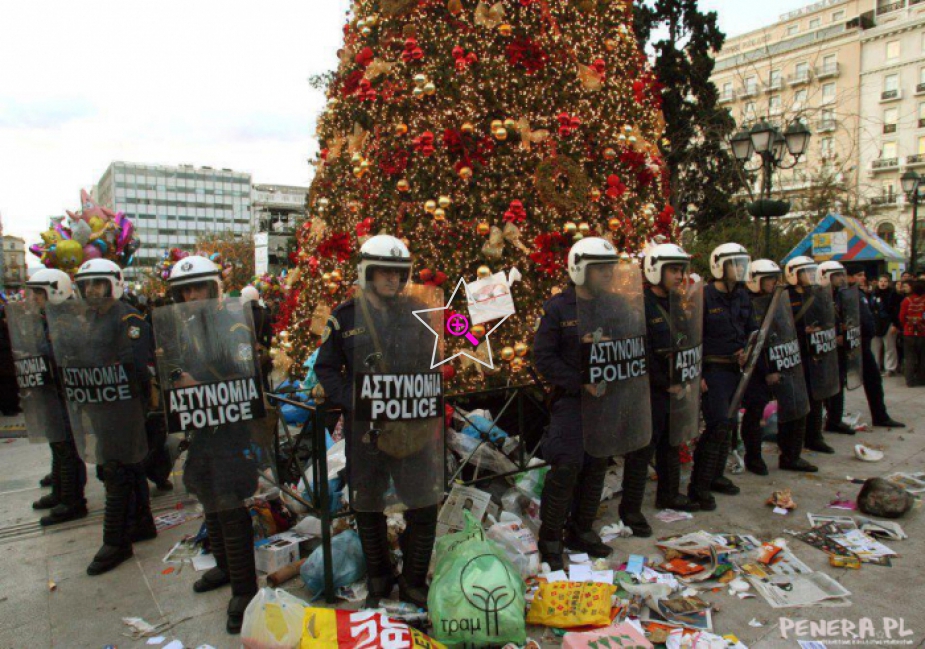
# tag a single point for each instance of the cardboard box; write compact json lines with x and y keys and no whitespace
{"x":276,"y":553}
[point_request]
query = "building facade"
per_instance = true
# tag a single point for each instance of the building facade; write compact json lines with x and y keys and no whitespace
{"x":277,"y":209}
{"x":172,"y":207}
{"x":14,"y":263}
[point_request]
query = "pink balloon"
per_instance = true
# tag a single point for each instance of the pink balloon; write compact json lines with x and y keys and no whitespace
{"x":92,"y":252}
{"x":60,"y":229}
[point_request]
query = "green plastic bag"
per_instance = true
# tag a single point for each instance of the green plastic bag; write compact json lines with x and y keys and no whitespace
{"x":477,"y":596}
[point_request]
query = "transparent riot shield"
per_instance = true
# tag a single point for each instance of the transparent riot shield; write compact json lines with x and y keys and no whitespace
{"x":784,"y":358}
{"x":211,"y":390}
{"x":851,"y":330}
{"x":106,"y":406}
{"x":686,"y":360}
{"x":822,"y":342}
{"x":616,"y":414}
{"x":395,"y":442}
{"x":33,"y":361}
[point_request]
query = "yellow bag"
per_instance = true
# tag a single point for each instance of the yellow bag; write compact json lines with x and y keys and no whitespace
{"x":326,"y":628}
{"x":570,"y":604}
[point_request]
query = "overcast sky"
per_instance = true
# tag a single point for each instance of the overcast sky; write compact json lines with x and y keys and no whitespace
{"x":204,"y":82}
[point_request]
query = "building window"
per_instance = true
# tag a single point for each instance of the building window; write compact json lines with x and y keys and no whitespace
{"x":892,"y":50}
{"x":828,"y":93}
{"x":774,"y":79}
{"x":751,"y":84}
{"x":799,"y":99}
{"x":749,"y":111}
{"x":774,"y":104}
{"x":727,"y":89}
{"x":827,"y":146}
{"x":922,"y":146}
{"x":922,"y":115}
{"x":887,"y":232}
{"x":815,"y":23}
{"x":888,"y":189}
{"x":802,"y":69}
{"x":838,"y":16}
{"x":793,"y":30}
{"x":889,"y":151}
{"x":891,"y":82}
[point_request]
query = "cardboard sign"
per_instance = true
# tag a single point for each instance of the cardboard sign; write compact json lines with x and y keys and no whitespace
{"x":215,"y":403}
{"x":33,"y":372}
{"x":613,"y":360}
{"x":91,"y":385}
{"x":398,"y":397}
{"x":784,"y":356}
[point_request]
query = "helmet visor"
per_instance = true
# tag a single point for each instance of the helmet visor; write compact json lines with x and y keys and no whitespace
{"x":808,"y":275}
{"x":736,"y":268}
{"x":95,"y":288}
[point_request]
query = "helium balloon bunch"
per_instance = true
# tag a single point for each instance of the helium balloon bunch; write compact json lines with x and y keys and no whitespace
{"x":168,"y":259}
{"x":268,"y":285}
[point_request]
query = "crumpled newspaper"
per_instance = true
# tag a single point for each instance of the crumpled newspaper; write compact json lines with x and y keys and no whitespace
{"x":782,"y":499}
{"x":616,"y":530}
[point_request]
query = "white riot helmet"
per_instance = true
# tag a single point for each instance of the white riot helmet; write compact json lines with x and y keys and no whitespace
{"x":56,"y":284}
{"x":827,"y":269}
{"x":729,"y":253}
{"x":383,"y":251}
{"x":250,"y":294}
{"x":800,"y":264}
{"x":588,"y":251}
{"x":102,"y":269}
{"x":194,"y":269}
{"x":758,"y":270}
{"x":666,"y":254}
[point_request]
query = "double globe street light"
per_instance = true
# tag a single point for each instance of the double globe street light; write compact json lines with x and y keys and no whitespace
{"x":772,"y":147}
{"x":911,"y":184}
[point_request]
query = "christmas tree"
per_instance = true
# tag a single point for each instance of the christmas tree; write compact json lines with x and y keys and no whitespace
{"x":488,"y":137}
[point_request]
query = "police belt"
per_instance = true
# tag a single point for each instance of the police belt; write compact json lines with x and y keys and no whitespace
{"x":721,"y":363}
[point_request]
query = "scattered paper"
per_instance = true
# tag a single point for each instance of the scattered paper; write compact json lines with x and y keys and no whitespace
{"x":175,"y":644}
{"x":173,"y":519}
{"x":204,"y":562}
{"x":602,"y":576}
{"x":811,"y":644}
{"x":755,"y":623}
{"x":788,"y":591}
{"x":558,"y":575}
{"x":781,"y":511}
{"x":579,"y":572}
{"x":156,"y":641}
{"x":183,"y":551}
{"x":140,"y":628}
{"x":744,"y":595}
{"x":672,"y":516}
{"x":452,"y":517}
{"x":579,"y":558}
{"x":615,"y":530}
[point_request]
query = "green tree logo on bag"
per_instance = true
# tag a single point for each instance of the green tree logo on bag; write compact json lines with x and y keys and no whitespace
{"x":490,"y":599}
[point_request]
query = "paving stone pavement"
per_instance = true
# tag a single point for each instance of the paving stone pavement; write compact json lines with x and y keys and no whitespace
{"x":82,"y":611}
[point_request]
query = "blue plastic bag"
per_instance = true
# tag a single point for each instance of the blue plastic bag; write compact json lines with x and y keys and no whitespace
{"x":347,"y":557}
{"x":477,"y":426}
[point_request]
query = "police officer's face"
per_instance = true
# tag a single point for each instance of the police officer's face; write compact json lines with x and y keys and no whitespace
{"x":735,"y":270}
{"x":672,"y":276}
{"x":599,"y":277}
{"x":195,"y":292}
{"x":806,"y":277}
{"x":838,"y":280}
{"x":386,"y":282}
{"x":768,"y":284}
{"x":38,"y":297}
{"x":95,"y":289}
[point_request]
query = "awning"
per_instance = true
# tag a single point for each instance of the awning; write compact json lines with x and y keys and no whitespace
{"x":844,"y":239}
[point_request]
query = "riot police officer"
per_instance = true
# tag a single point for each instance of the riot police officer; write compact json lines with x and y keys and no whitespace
{"x":832,"y":274}
{"x":202,"y":340}
{"x":674,"y":321}
{"x":814,"y":317}
{"x":372,"y":334}
{"x":727,"y":324}
{"x":68,"y":472}
{"x":582,"y":417}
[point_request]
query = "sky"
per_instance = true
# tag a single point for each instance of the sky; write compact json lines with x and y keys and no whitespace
{"x":220,"y":83}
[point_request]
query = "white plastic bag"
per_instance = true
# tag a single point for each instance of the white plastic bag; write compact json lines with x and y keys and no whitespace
{"x":518,"y":544}
{"x":273,"y":620}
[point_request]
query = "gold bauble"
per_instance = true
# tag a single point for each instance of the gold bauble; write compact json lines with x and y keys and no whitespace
{"x":505,"y":30}
{"x":403,"y":185}
{"x":284,"y":334}
{"x":595,"y":194}
{"x":444,"y":201}
{"x":496,"y":124}
{"x":467,"y":128}
{"x":323,"y":202}
{"x":610,"y":44}
{"x":510,"y":124}
{"x":420,"y":79}
{"x":483,"y":272}
{"x":465,"y":173}
{"x":521,"y":349}
{"x":372,"y":20}
{"x":609,"y":154}
{"x":614,"y":224}
{"x":356,"y":158}
{"x":578,"y":236}
{"x":364,"y":165}
{"x":358,"y":172}
{"x":507,"y":354}
{"x":326,"y":278}
{"x":440,"y":214}
{"x":366,"y":31}
{"x":336,"y":275}
{"x":478,"y":331}
{"x":430,"y":88}
{"x":353,"y":206}
{"x":500,"y":134}
{"x":627,"y":128}
{"x":401,"y":129}
{"x":430,"y":207}
{"x":418,"y":93}
{"x":570,"y":228}
{"x":332,"y":288}
{"x":584,"y":228}
{"x":483,"y":229}
{"x":274,"y":353}
{"x":517,"y":365}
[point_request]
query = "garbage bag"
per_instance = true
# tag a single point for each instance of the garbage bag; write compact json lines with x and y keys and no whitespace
{"x":349,"y":564}
{"x":519,"y":545}
{"x":531,"y":482}
{"x":273,"y":620}
{"x":477,"y":596}
{"x":880,"y":497}
{"x":570,"y":604}
{"x":477,"y":426}
{"x":325,"y":628}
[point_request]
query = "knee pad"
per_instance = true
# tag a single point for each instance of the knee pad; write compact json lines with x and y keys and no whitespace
{"x":422,"y":516}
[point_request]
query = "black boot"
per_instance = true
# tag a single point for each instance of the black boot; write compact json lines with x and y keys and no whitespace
{"x":668,"y":493}
{"x":706,"y":461}
{"x":813,"y":439}
{"x":73,"y":476}
{"x":46,"y":481}
{"x":635,"y":474}
{"x":751,"y":437}
{"x":117,"y":547}
{"x":373,"y":531}
{"x":720,"y":483}
{"x":580,"y":534}
{"x":142,"y":526}
{"x":52,"y":500}
{"x":417,"y":545}
{"x":218,"y":576}
{"x":554,"y":509}
{"x":790,"y":441}
{"x":238,"y":532}
{"x":835,"y":412}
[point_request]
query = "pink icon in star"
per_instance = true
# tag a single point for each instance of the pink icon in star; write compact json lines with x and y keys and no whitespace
{"x":458,"y":325}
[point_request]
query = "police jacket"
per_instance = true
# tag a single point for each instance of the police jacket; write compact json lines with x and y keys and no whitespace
{"x":658,"y":337}
{"x":727,"y":321}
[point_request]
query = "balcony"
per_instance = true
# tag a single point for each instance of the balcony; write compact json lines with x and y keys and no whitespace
{"x":890,"y":95}
{"x":750,"y":91}
{"x":773,"y":85}
{"x":829,"y":71}
{"x":920,"y":89}
{"x":727,"y":97}
{"x":915,"y":160}
{"x":884,"y":164}
{"x":826,"y":125}
{"x":921,"y":122}
{"x":889,"y":128}
{"x":799,"y":78}
{"x":884,"y":201}
{"x":889,"y":7}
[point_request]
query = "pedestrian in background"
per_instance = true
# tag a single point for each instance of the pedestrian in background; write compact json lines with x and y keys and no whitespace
{"x":912,"y":318}
{"x":9,"y":391}
{"x":885,"y":304}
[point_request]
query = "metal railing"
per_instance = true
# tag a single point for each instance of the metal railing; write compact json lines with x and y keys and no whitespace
{"x":885,"y":163}
{"x":889,"y":95}
{"x":826,"y":71}
{"x":916,"y":159}
{"x":889,"y":128}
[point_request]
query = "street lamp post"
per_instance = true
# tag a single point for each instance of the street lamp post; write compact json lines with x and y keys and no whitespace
{"x":911,"y":184}
{"x":772,"y":147}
